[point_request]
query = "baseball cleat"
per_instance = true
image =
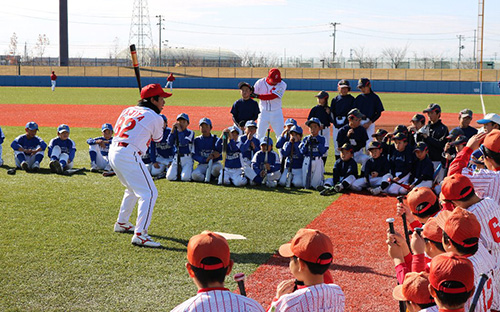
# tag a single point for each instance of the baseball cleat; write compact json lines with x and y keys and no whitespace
{"x":53,"y":166}
{"x":108,"y":173}
{"x":320,"y":188}
{"x":338,"y":188}
{"x":93,"y":167}
{"x":36,"y":166}
{"x":144,"y":240}
{"x":124,"y":227}
{"x":375,"y":190}
{"x":327,"y":191}
{"x":25,"y":166}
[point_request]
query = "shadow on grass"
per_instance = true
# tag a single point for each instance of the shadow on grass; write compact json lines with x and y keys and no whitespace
{"x":251,"y":257}
{"x":44,"y":171}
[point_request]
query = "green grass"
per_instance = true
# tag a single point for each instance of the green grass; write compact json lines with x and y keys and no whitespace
{"x":450,"y":103}
{"x":59,"y":251}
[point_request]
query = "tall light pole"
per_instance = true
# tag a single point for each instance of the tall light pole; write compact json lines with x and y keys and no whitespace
{"x":334,"y":24}
{"x":160,"y":28}
{"x":460,"y":48}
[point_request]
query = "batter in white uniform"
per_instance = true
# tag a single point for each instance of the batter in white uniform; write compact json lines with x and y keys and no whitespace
{"x":136,"y":127}
{"x":270,"y":90}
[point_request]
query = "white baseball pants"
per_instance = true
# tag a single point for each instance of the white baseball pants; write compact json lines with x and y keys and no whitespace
{"x":235,"y":175}
{"x":360,"y":183}
{"x":326,"y":134}
{"x":395,"y":189}
{"x":1,"y":160}
{"x":163,"y":162}
{"x":270,"y":118}
{"x":29,"y":159}
{"x":56,"y":152}
{"x":139,"y":186}
{"x":53,"y":83}
{"x":101,"y":162}
{"x":297,"y":179}
{"x":186,"y":171}
{"x":317,"y":171}
{"x":199,"y":173}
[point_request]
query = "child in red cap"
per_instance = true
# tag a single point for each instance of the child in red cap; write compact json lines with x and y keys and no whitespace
{"x":451,"y":281}
{"x":415,"y":291}
{"x":209,"y":262}
{"x":310,"y":253}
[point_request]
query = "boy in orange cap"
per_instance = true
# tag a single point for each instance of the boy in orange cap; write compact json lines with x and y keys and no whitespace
{"x":458,"y":189}
{"x":209,"y":261}
{"x":451,"y":281}
{"x":415,"y":291}
{"x":486,"y":181}
{"x":461,"y":232}
{"x":310,"y":253}
{"x":422,"y":204}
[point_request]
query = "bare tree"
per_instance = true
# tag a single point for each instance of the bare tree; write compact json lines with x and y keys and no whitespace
{"x":41,"y":44}
{"x":395,"y":55}
{"x":364,"y":58}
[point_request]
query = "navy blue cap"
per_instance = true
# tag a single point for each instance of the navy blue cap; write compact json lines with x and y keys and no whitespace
{"x":400,"y":136}
{"x":322,"y":94}
{"x":290,"y":122}
{"x":454,"y":133}
{"x":245,"y":84}
{"x":344,"y":84}
{"x":164,"y":117}
{"x":421,"y":146}
{"x":461,"y":139}
{"x":106,"y":126}
{"x":356,"y":113}
{"x":364,"y":82}
{"x":374,"y":145}
{"x":62,"y":128}
{"x":204,"y":120}
{"x":433,"y":107}
{"x":313,"y":120}
{"x":183,"y":116}
{"x":400,"y":128}
{"x":31,"y":125}
{"x":418,"y":117}
{"x":347,"y":147}
{"x":297,"y":129}
{"x":250,"y":123}
{"x":380,"y":132}
{"x":266,"y":140}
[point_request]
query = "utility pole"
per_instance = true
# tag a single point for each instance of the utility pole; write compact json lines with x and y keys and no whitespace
{"x":160,"y":28}
{"x":460,"y":48}
{"x":334,"y":24}
{"x":474,"y":57}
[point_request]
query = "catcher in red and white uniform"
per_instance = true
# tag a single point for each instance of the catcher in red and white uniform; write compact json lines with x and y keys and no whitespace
{"x":270,"y":91}
{"x":136,"y":127}
{"x":486,"y":181}
{"x":310,"y":253}
{"x":209,"y":262}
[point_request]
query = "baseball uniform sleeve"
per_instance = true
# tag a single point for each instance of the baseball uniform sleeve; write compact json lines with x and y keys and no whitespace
{"x":158,"y":129}
{"x":460,"y":161}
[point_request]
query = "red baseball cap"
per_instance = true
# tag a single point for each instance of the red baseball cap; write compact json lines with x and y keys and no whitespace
{"x":153,"y":90}
{"x":432,"y":231}
{"x":415,"y":288}
{"x":492,"y":141}
{"x":460,"y":225}
{"x":208,"y":244}
{"x":449,"y":267}
{"x":274,"y":76}
{"x":309,"y":245}
{"x":456,"y":187}
{"x":420,"y":199}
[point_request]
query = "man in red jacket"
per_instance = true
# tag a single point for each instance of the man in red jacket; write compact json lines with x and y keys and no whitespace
{"x":53,"y":78}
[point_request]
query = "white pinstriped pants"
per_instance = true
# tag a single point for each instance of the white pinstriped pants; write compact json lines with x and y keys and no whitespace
{"x":139,"y":186}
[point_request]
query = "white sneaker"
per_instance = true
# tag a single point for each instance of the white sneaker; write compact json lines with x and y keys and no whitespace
{"x":338,"y":187}
{"x":25,"y":166}
{"x":36,"y":166}
{"x":124,"y":227}
{"x":375,"y":190}
{"x":93,"y":167}
{"x":144,"y":240}
{"x":271,"y":184}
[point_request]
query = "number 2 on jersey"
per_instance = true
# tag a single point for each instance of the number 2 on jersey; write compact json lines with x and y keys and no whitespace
{"x":129,"y":124}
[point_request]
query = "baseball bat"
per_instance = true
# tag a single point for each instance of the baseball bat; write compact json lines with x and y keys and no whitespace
{"x":479,"y":290}
{"x":390,"y":221}
{"x":208,"y":174}
{"x":405,"y":225}
{"x":137,"y":72}
{"x":405,"y":186}
{"x":288,"y":183}
{"x":179,"y":166}
{"x":309,"y":166}
{"x":240,"y":279}
{"x":224,"y":154}
{"x":419,"y":230}
{"x":435,"y":175}
{"x":266,"y":157}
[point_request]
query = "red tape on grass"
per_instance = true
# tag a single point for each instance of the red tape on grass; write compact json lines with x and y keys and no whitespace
{"x":356,"y":224}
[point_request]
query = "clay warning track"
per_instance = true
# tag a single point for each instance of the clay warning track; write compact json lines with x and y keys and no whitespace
{"x":356,"y":224}
{"x":93,"y":116}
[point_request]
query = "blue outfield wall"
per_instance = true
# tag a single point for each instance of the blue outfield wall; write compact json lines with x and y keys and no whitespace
{"x":455,"y":87}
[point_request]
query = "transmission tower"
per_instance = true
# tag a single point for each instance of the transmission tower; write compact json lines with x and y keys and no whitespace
{"x":140,"y":30}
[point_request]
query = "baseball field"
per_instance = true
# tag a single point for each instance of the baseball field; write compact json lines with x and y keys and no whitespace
{"x":59,"y":251}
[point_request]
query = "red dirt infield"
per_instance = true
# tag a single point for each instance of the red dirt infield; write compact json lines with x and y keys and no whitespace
{"x":361,"y":267}
{"x":93,"y":116}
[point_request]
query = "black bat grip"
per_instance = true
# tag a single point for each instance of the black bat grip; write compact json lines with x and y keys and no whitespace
{"x":390,"y":221}
{"x":241,"y":286}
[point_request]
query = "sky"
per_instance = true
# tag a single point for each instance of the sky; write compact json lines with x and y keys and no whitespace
{"x":270,"y":27}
